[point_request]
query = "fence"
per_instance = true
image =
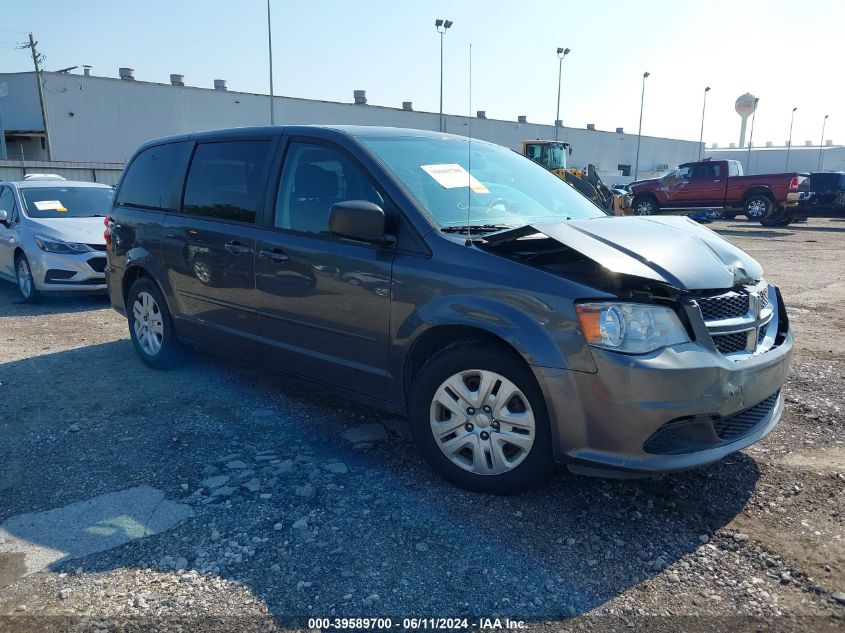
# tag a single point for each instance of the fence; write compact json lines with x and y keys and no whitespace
{"x":106,"y":173}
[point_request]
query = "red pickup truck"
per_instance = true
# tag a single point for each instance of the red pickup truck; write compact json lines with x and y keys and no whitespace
{"x":773,"y":199}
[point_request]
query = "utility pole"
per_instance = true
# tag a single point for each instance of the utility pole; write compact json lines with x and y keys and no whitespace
{"x":270,"y":49}
{"x":37,"y":58}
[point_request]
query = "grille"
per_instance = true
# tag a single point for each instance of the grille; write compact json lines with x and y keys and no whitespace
{"x":727,"y":343}
{"x":689,"y":435}
{"x":98,"y":264}
{"x":97,"y":247}
{"x":727,"y":306}
{"x":740,"y":423}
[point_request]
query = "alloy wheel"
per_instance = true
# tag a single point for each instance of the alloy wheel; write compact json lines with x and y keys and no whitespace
{"x":482,"y":422}
{"x":25,"y":282}
{"x":645,"y":208}
{"x":756,"y":208}
{"x":148,"y":323}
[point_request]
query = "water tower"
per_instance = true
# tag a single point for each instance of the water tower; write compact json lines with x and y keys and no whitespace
{"x":745,"y":106}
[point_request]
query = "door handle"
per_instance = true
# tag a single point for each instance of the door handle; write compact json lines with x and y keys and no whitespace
{"x":236,"y":248}
{"x":275,"y":254}
{"x":717,"y":181}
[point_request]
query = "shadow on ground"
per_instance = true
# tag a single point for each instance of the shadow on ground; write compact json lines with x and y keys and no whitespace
{"x":13,"y":305}
{"x":388,"y":527}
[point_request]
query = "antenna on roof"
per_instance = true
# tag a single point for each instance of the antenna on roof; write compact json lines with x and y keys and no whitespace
{"x":469,"y":153}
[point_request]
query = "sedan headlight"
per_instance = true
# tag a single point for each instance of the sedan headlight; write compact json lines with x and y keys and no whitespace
{"x":52,"y":245}
{"x":632,"y":328}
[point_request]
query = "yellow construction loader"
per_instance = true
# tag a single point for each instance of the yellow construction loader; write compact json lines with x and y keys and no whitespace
{"x":552,"y":155}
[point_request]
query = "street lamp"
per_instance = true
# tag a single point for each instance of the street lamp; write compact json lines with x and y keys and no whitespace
{"x":442,"y":26}
{"x":751,"y":136}
{"x":789,"y":142}
{"x":561,"y":53}
{"x":270,"y":51}
{"x":640,"y":130}
{"x":703,"y":108}
{"x":821,"y":145}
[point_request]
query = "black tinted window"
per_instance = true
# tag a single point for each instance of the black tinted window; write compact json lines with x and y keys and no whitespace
{"x":226,"y":180}
{"x":154,"y":178}
{"x":7,"y":202}
{"x":313,"y":179}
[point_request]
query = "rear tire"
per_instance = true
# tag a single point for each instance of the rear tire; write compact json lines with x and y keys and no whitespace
{"x":151,"y":326}
{"x":26,"y":282}
{"x":645,"y":205}
{"x":479,"y":419}
{"x":758,"y":206}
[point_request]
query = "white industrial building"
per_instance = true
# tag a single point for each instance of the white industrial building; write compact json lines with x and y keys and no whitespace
{"x":103,"y":119}
{"x":772,"y":160}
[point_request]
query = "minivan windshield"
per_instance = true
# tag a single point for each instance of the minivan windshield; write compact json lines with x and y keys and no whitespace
{"x":502,"y":189}
{"x":67,"y":202}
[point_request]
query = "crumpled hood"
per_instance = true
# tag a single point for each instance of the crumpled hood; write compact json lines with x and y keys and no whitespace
{"x":674,"y":250}
{"x":80,"y":230}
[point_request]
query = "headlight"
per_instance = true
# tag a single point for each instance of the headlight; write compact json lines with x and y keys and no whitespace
{"x":52,"y":245}
{"x":633,"y":328}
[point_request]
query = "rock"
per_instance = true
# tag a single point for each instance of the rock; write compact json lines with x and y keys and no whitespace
{"x":570,"y":541}
{"x":306,"y":491}
{"x":275,"y":569}
{"x":228,"y":458}
{"x":235,"y":465}
{"x":284,"y":468}
{"x":362,"y":446}
{"x":278,"y":527}
{"x":264,"y":496}
{"x":422,"y":546}
{"x":215,"y":535}
{"x":214,"y":482}
{"x":337,"y":468}
{"x":372,"y":432}
{"x":370,"y":601}
{"x":302,"y":584}
{"x":139,"y":602}
{"x":740,"y":538}
{"x":673,"y":578}
{"x":210,"y":470}
{"x":253,"y":485}
{"x":64,"y":594}
{"x":266,"y":458}
{"x":703,"y":538}
{"x":224,"y":491}
{"x":839,"y":596}
{"x":184,"y":487}
{"x":20,"y":607}
{"x":74,"y":428}
{"x":347,"y":596}
{"x":181,"y":563}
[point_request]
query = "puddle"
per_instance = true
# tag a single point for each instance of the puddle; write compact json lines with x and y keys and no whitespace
{"x":31,"y":542}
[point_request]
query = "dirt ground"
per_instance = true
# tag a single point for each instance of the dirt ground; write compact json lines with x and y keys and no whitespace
{"x":294,"y":505}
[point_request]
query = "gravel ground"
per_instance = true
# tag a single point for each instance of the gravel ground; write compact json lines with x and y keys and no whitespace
{"x":306,"y":506}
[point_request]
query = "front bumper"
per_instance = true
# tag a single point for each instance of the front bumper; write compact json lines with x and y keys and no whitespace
{"x":601,"y":421}
{"x":55,"y":272}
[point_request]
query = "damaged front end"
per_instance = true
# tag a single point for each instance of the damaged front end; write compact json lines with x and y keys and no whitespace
{"x":661,"y":407}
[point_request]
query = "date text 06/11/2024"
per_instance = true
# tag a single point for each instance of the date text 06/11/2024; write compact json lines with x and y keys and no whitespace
{"x":436,"y":624}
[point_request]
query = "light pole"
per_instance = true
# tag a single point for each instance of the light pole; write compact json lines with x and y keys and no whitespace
{"x":640,"y":130}
{"x":821,"y":145}
{"x":751,"y":136}
{"x":701,"y":136}
{"x":442,"y":26}
{"x":789,"y":142}
{"x":561,"y":53}
{"x":270,"y":52}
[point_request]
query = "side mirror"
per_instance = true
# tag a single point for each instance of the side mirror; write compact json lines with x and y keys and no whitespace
{"x":358,"y":220}
{"x":4,"y":216}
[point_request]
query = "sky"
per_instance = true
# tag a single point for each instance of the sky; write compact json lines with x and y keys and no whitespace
{"x":786,"y":53}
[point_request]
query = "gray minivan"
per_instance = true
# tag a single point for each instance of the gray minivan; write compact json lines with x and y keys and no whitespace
{"x":458,"y":283}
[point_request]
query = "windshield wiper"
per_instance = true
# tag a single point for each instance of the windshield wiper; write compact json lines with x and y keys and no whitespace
{"x":476,"y":228}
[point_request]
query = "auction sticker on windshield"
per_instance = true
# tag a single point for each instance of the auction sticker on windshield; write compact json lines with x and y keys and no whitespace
{"x":49,"y":205}
{"x":453,"y":175}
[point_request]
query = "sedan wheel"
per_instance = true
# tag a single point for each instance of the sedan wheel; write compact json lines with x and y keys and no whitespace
{"x":26,"y":284}
{"x":148,"y":323}
{"x":482,"y":422}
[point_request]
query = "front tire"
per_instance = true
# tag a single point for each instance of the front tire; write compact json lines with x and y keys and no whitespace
{"x":480,"y":421}
{"x":151,"y":326}
{"x":775,"y":218}
{"x":645,"y":205}
{"x":26,"y":282}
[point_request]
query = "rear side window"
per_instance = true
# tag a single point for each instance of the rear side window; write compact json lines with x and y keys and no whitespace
{"x":154,"y":178}
{"x":226,"y":180}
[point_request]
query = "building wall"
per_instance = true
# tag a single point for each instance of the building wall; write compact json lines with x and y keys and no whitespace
{"x":766,"y":160}
{"x":104,"y":119}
